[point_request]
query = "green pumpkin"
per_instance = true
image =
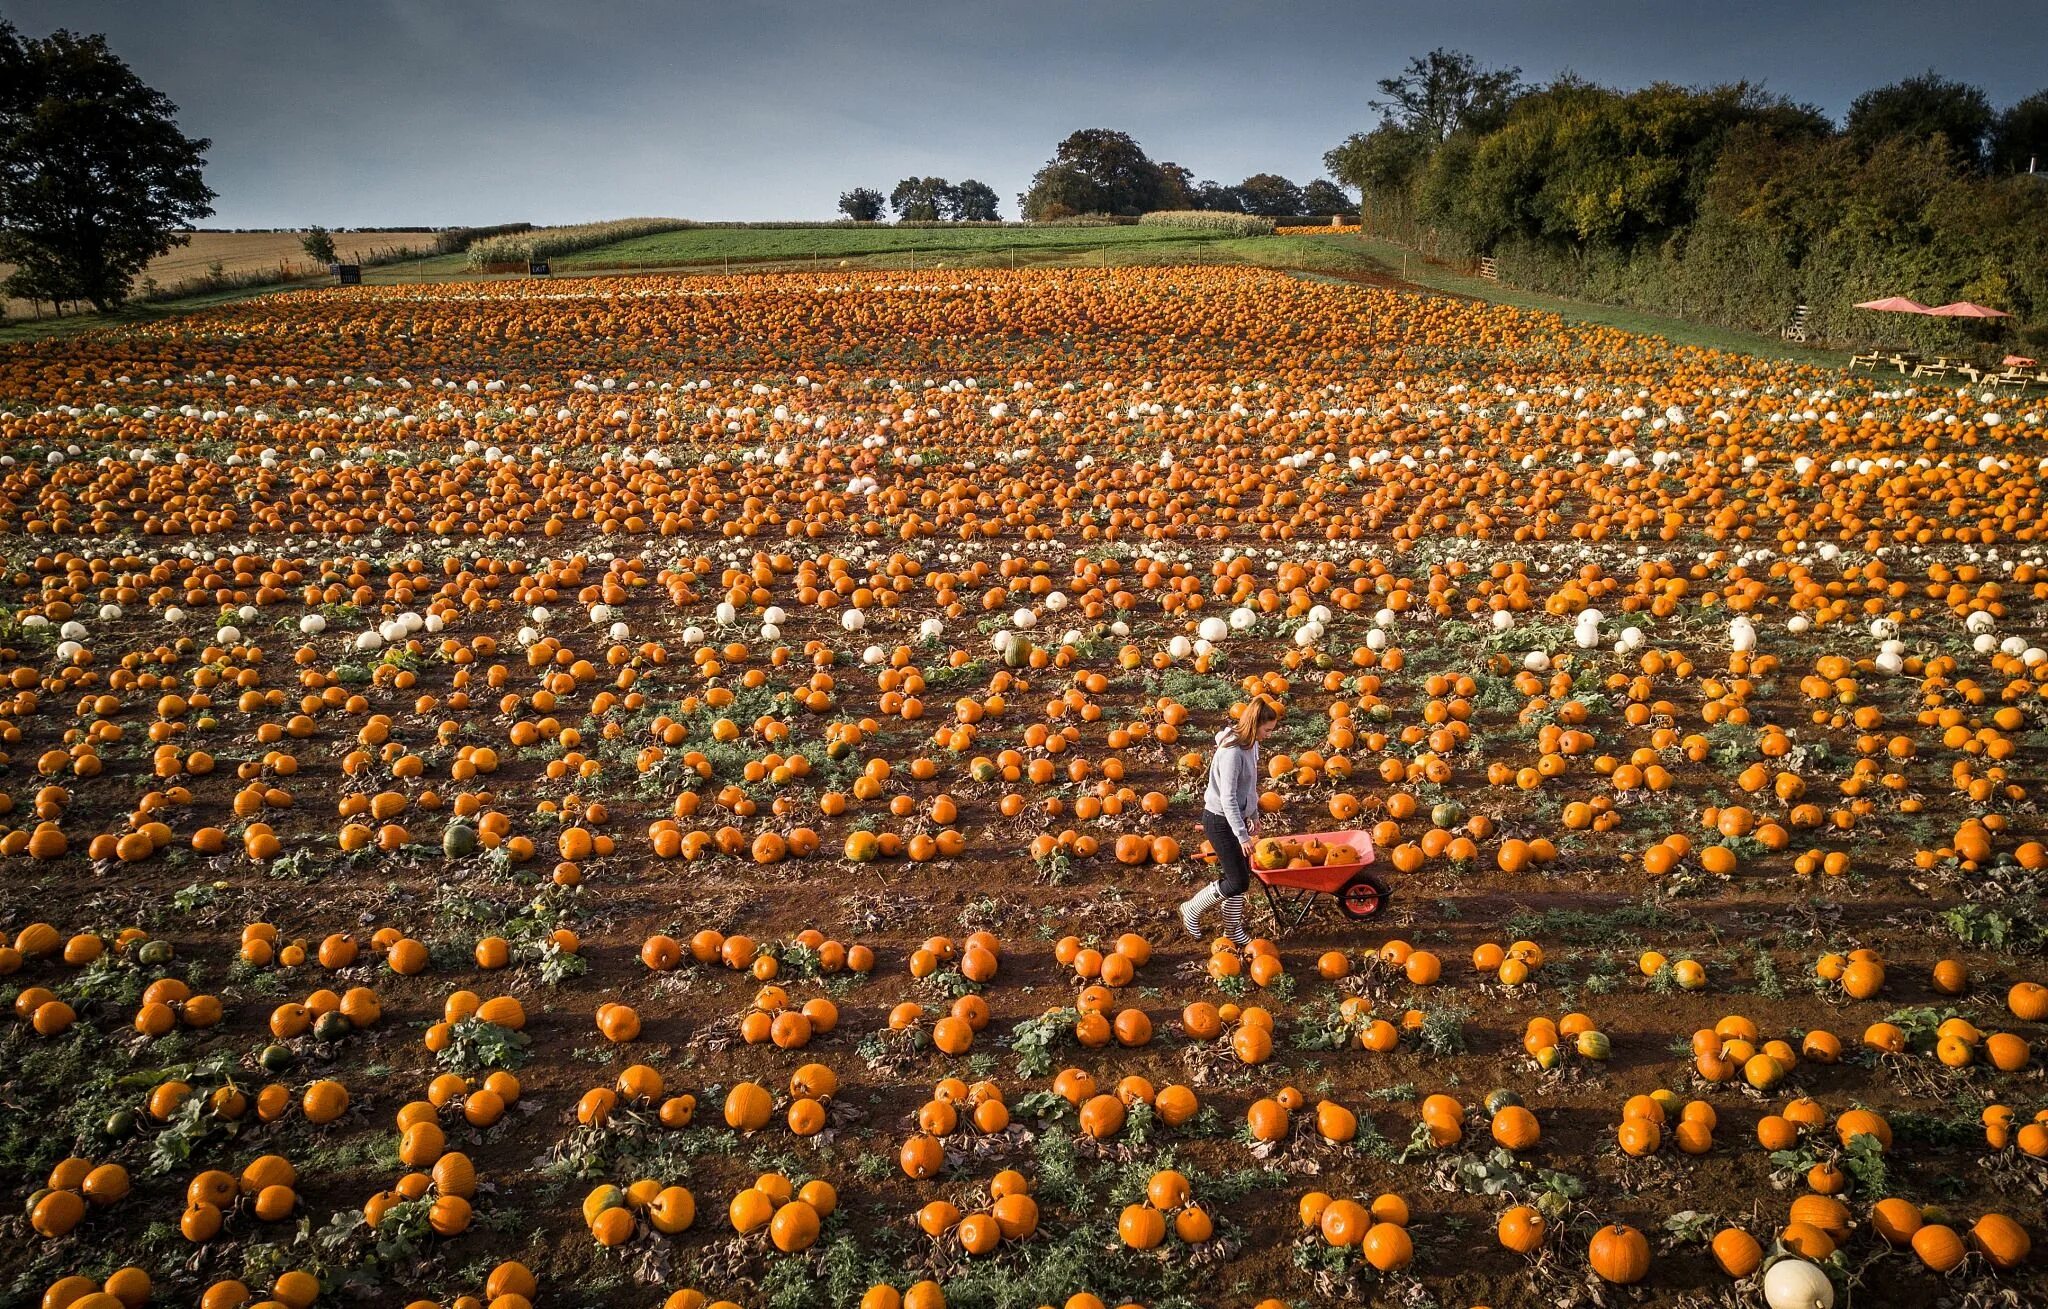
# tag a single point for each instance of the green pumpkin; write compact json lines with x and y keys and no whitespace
{"x":120,"y":1123}
{"x":276,"y":1058}
{"x":1499,"y":1099}
{"x":458,"y":840}
{"x":331,"y":1026}
{"x":1448,"y":814}
{"x":155,"y":953}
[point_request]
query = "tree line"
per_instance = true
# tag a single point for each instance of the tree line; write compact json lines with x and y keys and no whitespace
{"x":1098,"y":170}
{"x":924,"y":200}
{"x":1101,"y":171}
{"x":1726,"y":203}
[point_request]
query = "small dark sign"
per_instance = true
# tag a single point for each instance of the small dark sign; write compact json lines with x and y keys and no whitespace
{"x":538,"y":268}
{"x":349,"y":274}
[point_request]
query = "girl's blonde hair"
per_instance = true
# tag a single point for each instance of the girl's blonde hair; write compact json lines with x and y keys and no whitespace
{"x":1259,"y":712}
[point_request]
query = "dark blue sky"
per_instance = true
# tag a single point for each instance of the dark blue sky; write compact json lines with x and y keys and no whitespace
{"x":390,"y":112}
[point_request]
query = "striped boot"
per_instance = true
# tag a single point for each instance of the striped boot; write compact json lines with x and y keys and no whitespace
{"x":1233,"y":921}
{"x":1192,"y":909}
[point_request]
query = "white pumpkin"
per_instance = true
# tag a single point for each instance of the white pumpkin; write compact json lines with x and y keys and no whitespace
{"x":1797,"y":1284}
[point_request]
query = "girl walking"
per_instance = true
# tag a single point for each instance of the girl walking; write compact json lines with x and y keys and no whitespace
{"x":1230,"y":819}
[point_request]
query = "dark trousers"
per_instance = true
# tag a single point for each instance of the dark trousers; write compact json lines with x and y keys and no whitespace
{"x":1233,"y":873}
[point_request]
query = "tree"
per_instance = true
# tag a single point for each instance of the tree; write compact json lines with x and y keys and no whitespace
{"x":318,"y":243}
{"x":862,"y":204}
{"x":95,"y":178}
{"x":976,"y":202}
{"x":2021,"y":137}
{"x":1216,"y":196}
{"x":1323,"y":196}
{"x":1920,"y":107}
{"x":1177,"y":187}
{"x":1447,"y":91}
{"x":1060,"y":191}
{"x":922,"y":200}
{"x":1580,"y":167}
{"x":1382,"y":164}
{"x":1271,"y":195}
{"x":1104,"y":169}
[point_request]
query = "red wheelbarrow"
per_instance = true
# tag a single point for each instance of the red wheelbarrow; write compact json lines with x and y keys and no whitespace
{"x":1293,"y":893}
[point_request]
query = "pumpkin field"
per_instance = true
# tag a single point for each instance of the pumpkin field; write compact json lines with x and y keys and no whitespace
{"x":667,"y":792}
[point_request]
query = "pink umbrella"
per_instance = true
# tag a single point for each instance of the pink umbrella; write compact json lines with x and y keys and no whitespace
{"x":1896,"y":304}
{"x":1964,"y":309}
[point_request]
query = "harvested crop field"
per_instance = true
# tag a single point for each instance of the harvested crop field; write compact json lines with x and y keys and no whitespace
{"x":642,"y":791}
{"x":188,"y":266}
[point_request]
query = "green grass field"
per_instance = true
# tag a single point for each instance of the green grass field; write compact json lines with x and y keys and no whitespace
{"x":774,"y":244}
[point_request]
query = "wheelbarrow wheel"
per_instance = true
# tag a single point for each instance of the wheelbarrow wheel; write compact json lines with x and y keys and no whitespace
{"x":1364,"y":896}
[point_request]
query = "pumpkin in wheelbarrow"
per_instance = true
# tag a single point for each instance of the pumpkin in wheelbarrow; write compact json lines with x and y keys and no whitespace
{"x":1267,"y":854}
